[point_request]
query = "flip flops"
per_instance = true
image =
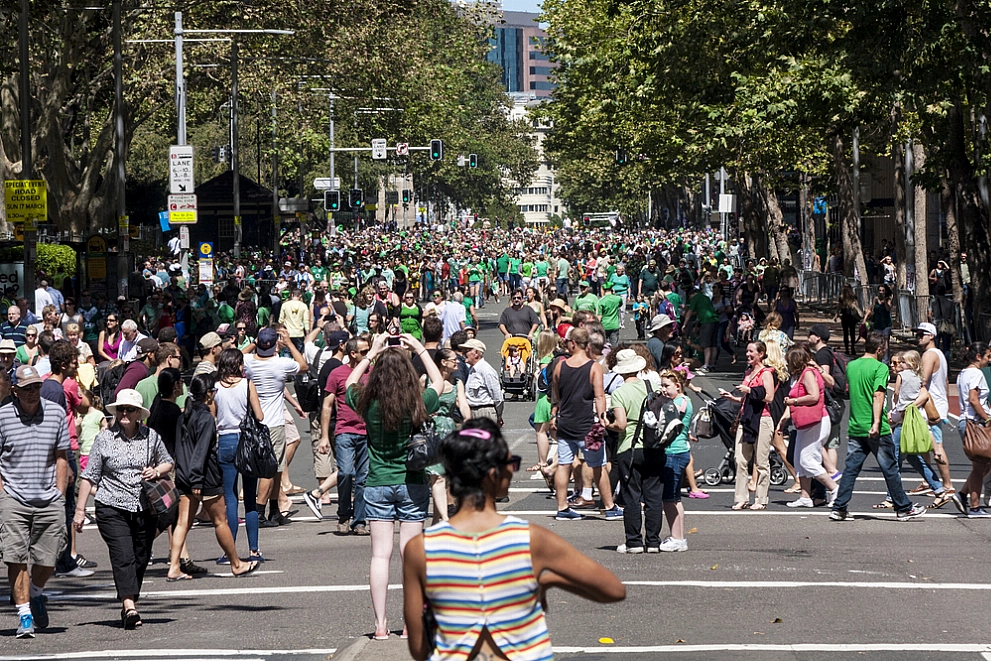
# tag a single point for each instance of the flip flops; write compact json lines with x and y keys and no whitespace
{"x":180,"y":577}
{"x":251,"y":568}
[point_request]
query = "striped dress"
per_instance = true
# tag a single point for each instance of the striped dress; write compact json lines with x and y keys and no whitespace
{"x":479,"y":580}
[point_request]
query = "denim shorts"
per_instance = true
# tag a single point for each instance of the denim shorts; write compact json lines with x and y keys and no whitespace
{"x":673,"y":474}
{"x":937,"y":431}
{"x":403,"y":502}
{"x":567,"y":449}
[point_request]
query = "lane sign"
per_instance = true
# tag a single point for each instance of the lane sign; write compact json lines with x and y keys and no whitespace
{"x":180,"y":169}
{"x":26,"y":200}
{"x":402,"y":149}
{"x":378,"y":149}
{"x":182,"y":209}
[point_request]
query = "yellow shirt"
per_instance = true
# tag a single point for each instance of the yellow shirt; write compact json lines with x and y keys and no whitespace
{"x":296,"y":317}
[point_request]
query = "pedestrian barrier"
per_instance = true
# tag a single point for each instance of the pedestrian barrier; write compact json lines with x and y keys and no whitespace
{"x":819,"y":288}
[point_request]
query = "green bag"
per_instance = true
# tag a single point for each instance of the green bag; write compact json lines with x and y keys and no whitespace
{"x":915,"y":438}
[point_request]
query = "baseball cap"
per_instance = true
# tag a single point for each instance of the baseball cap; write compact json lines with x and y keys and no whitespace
{"x":146,"y":346}
{"x":473,"y":344}
{"x":8,"y":346}
{"x":27,"y":375}
{"x":584,"y":283}
{"x":926,"y":327}
{"x":822,"y":330}
{"x":337,"y":338}
{"x":210,"y":340}
{"x":266,"y":342}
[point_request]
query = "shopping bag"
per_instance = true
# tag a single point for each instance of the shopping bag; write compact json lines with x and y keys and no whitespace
{"x":915,"y":438}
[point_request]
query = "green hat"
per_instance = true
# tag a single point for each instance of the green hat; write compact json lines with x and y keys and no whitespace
{"x":607,"y":285}
{"x":352,"y":291}
{"x":584,"y":283}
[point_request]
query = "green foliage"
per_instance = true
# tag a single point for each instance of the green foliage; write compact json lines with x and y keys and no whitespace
{"x":50,"y":257}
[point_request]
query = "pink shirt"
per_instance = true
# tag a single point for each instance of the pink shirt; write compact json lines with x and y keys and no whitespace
{"x":348,"y":422}
{"x":72,"y":400}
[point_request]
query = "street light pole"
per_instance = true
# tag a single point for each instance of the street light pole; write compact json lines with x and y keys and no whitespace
{"x":180,"y":81}
{"x":30,"y":237}
{"x":122,"y":270}
{"x":235,"y":161}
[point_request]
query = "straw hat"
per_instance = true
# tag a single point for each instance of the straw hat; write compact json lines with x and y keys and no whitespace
{"x":128,"y":397}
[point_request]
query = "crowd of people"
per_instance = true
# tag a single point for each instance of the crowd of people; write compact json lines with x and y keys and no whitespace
{"x":370,"y":339}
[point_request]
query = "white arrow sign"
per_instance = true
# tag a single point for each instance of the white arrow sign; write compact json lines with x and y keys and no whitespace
{"x":180,"y":169}
{"x":378,"y":149}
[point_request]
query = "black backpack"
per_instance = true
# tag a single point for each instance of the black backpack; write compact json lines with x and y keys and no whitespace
{"x":660,"y":421}
{"x":841,"y":387}
{"x":109,"y":380}
{"x":309,"y":387}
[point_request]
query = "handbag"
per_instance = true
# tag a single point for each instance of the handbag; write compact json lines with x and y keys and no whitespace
{"x":255,"y":456}
{"x":835,"y":408}
{"x":423,"y":447}
{"x":161,"y":494}
{"x":807,"y":416}
{"x":595,"y":437}
{"x":915,"y":437}
{"x":932,"y":414}
{"x":977,"y":442}
{"x":702,"y":424}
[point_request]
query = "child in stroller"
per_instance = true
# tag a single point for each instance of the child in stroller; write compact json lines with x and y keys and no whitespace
{"x":514,"y":362}
{"x":744,"y":328}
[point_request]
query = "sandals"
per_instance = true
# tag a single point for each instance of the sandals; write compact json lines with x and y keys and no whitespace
{"x":758,"y":506}
{"x":130,"y":619}
{"x":886,"y":505}
{"x":251,"y":568}
{"x":795,"y":488}
{"x":942,"y":499}
{"x":740,"y":506}
{"x":295,"y":491}
{"x":180,"y":577}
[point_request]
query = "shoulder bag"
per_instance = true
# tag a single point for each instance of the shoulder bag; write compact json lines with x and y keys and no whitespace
{"x":977,"y":442}
{"x":915,"y":437}
{"x":807,"y":416}
{"x":932,"y":413}
{"x":255,"y":456}
{"x":423,"y":446}
{"x":160,"y":494}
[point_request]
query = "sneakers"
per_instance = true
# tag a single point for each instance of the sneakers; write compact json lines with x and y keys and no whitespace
{"x":701,"y":495}
{"x":314,"y":504}
{"x":361,"y":531}
{"x":84,"y":563}
{"x":831,"y":496}
{"x":615,"y":513}
{"x":344,"y":528}
{"x":579,"y":503}
{"x":75,"y":572}
{"x":801,"y":502}
{"x":631,"y":550}
{"x":653,"y":549}
{"x":672,"y":545}
{"x":569,"y":515}
{"x":39,"y":611}
{"x":914,"y":513}
{"x":223,"y":560}
{"x":703,"y":370}
{"x":958,"y":502}
{"x":839,"y":515}
{"x":26,"y":628}
{"x":978,"y":513}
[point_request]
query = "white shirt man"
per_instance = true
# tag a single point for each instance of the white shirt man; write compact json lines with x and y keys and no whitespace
{"x":482,"y":389}
{"x":935,"y":377}
{"x":453,"y":316}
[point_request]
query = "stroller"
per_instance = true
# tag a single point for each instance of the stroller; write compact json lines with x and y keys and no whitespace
{"x":715,"y":418}
{"x":516,"y":374}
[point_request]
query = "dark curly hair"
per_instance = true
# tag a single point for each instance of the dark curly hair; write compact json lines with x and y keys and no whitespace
{"x":468,"y":455}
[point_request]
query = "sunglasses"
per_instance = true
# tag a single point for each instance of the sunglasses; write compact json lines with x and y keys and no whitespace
{"x":126,"y":410}
{"x":241,"y":328}
{"x":514,"y":462}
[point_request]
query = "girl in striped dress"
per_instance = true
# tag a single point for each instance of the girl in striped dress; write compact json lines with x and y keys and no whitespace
{"x":475,"y":585}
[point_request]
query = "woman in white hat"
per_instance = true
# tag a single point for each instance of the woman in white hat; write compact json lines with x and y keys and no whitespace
{"x":122,"y":457}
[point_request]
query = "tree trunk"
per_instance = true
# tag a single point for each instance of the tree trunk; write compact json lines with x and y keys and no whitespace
{"x":853,"y":253}
{"x":972,"y":217}
{"x":948,"y":205}
{"x":777,"y":229}
{"x":921,"y":227}
{"x":755,"y":237}
{"x":898,"y":156}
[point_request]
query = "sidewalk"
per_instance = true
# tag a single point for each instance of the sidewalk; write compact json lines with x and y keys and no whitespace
{"x":366,"y":649}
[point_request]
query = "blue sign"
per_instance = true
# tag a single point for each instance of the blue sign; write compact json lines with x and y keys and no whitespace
{"x":819,"y":206}
{"x":163,"y":220}
{"x":206,"y":251}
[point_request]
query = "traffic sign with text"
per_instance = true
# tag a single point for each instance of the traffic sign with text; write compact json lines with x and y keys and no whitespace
{"x":378,"y":149}
{"x":26,"y":200}
{"x":180,"y":169}
{"x":182,"y":209}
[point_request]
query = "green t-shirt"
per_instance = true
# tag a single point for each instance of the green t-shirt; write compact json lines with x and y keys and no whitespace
{"x":701,"y":305}
{"x":629,"y":397}
{"x":475,"y":273}
{"x":319,"y":273}
{"x":387,"y":450}
{"x":502,"y":264}
{"x":866,"y":376}
{"x":225,"y":314}
{"x":563,"y":266}
{"x":676,"y":301}
{"x":526,"y":269}
{"x":514,"y":265}
{"x":541,"y":267}
{"x":263,"y":317}
{"x":609,"y":311}
{"x":588,"y":302}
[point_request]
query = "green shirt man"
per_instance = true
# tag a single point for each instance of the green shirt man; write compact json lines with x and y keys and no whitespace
{"x":609,"y":306}
{"x":866,"y":375}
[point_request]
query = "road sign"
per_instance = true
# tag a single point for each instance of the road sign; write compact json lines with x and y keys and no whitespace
{"x":184,"y":238}
{"x":402,"y":148}
{"x":726,"y":202}
{"x":182,"y":209}
{"x":392,"y":197}
{"x":206,"y":250}
{"x":180,"y":169}
{"x":291,"y":204}
{"x":26,"y":199}
{"x":378,"y":149}
{"x":206,"y":271}
{"x":324,"y":183}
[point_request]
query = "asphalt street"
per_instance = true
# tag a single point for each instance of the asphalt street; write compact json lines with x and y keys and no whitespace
{"x":778,"y":584}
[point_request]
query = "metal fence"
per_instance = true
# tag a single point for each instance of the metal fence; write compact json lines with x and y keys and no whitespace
{"x":819,"y":288}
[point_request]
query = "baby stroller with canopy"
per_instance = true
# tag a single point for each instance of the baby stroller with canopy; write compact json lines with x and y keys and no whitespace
{"x":516,"y":372}
{"x":714,"y":419}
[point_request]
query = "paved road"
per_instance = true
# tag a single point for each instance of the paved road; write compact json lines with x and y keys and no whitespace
{"x":775,"y":585}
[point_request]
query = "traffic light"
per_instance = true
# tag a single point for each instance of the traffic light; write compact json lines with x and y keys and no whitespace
{"x":332,"y":200}
{"x":436,"y":150}
{"x":620,"y":157}
{"x":355,"y":198}
{"x":407,"y":196}
{"x":473,"y":160}
{"x":215,"y":154}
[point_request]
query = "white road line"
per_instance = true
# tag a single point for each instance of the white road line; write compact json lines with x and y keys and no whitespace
{"x":166,"y":653}
{"x":881,"y":514}
{"x":707,"y":489}
{"x":721,"y":585}
{"x":847,"y":648}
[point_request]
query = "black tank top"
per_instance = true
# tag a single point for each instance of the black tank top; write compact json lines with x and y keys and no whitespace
{"x":575,"y":413}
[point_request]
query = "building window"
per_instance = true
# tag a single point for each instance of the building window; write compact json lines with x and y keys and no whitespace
{"x":225,"y":227}
{"x":541,"y":85}
{"x":540,"y":71}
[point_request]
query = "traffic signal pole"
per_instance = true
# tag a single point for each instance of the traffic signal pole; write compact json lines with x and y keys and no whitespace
{"x":30,"y":237}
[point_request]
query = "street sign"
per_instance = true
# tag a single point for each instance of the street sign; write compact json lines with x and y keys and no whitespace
{"x":184,"y":238}
{"x":726,"y":202}
{"x":392,"y":197}
{"x":206,"y":271}
{"x":402,"y":149}
{"x":324,"y":183}
{"x":182,"y":209}
{"x":26,"y":200}
{"x":291,"y":204}
{"x":378,"y":149}
{"x":180,"y":169}
{"x":206,"y":250}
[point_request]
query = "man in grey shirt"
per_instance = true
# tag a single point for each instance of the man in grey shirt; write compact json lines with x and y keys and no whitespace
{"x":482,"y":388}
{"x":34,"y":445}
{"x":518,"y":319}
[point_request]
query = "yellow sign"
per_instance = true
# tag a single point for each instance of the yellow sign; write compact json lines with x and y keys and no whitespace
{"x":206,"y":250}
{"x":26,"y":199}
{"x":133,"y":231}
{"x":19,"y":231}
{"x":237,"y":221}
{"x":31,"y":224}
{"x":123,"y":222}
{"x":178,"y":217}
{"x":96,"y":244}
